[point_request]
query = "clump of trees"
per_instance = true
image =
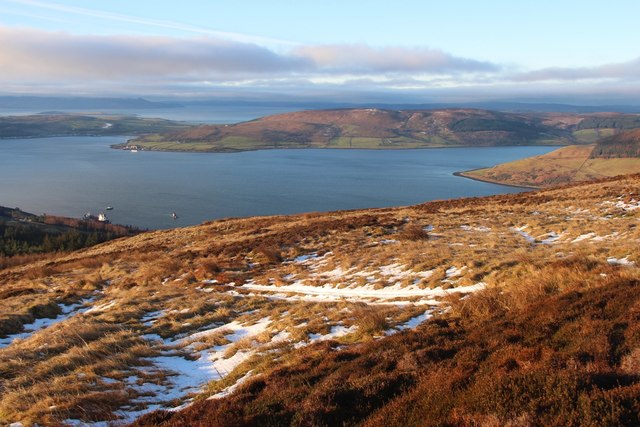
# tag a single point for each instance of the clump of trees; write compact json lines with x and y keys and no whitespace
{"x":23,"y":233}
{"x":618,"y":146}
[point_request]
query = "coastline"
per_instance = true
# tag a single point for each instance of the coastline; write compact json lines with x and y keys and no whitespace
{"x":463,"y":175}
{"x":125,"y":147}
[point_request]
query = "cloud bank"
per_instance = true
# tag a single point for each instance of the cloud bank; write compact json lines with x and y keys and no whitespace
{"x":39,"y":61}
{"x":39,"y":55}
{"x":365,"y":59}
{"x":621,"y":70}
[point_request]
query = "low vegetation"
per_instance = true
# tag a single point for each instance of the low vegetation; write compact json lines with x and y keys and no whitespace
{"x":517,"y":309}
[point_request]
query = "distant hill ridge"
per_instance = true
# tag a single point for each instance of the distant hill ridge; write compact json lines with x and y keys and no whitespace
{"x":65,"y":124}
{"x":375,"y":128}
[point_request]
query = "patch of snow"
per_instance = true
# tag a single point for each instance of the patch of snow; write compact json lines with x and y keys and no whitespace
{"x":222,"y":366}
{"x":229,"y":390}
{"x":236,"y":330}
{"x":520,"y":230}
{"x":108,"y":380}
{"x":415,"y":321}
{"x":620,"y":261}
{"x":186,"y":376}
{"x":367,"y":291}
{"x":281,"y":336}
{"x":632,"y":205}
{"x":101,"y":307}
{"x":614,"y":235}
{"x":336,"y":332}
{"x":73,"y":422}
{"x":454,"y":271}
{"x":150,"y":318}
{"x":336,"y":273}
{"x":480,"y":228}
{"x":67,"y":311}
{"x":586,"y":236}
{"x":551,"y":238}
{"x":304,"y":259}
{"x":411,"y":323}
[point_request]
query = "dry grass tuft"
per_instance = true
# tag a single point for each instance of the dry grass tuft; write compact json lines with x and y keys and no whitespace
{"x":413,"y":232}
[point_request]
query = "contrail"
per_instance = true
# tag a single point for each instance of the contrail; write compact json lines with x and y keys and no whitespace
{"x":244,"y":38}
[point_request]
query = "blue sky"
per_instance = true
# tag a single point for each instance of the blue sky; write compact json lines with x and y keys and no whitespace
{"x":427,"y":50}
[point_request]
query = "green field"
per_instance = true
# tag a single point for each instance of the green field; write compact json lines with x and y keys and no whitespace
{"x":589,"y":136}
{"x":242,"y":143}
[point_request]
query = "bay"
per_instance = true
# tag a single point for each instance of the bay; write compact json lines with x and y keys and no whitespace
{"x":73,"y":175}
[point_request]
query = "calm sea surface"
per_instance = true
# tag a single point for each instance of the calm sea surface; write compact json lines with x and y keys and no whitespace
{"x":73,"y":175}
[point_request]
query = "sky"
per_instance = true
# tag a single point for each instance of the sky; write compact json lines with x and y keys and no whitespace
{"x":404,"y":51}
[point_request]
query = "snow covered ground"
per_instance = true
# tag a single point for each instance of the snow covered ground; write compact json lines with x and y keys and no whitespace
{"x":67,"y":311}
{"x":361,"y":293}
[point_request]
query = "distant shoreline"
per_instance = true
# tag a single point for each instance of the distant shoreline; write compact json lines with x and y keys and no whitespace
{"x":463,"y":175}
{"x":124,"y":147}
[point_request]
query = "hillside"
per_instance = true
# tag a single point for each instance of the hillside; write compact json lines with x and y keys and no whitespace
{"x":60,"y":124}
{"x":519,"y":309}
{"x":624,"y":145}
{"x":25,"y":233}
{"x":611,"y":156}
{"x":388,"y":129}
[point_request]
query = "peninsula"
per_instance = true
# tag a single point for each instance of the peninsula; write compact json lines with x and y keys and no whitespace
{"x":373,"y":128}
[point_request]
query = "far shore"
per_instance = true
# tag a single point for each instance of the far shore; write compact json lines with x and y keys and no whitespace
{"x":464,"y":174}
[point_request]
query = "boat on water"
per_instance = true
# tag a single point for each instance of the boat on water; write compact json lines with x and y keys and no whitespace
{"x":174,"y":215}
{"x":103,"y":218}
{"x":109,"y":208}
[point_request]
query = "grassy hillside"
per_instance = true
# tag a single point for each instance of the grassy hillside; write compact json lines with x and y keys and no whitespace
{"x":45,"y":125}
{"x":516,"y":309}
{"x":615,"y":155}
{"x":388,"y":129}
